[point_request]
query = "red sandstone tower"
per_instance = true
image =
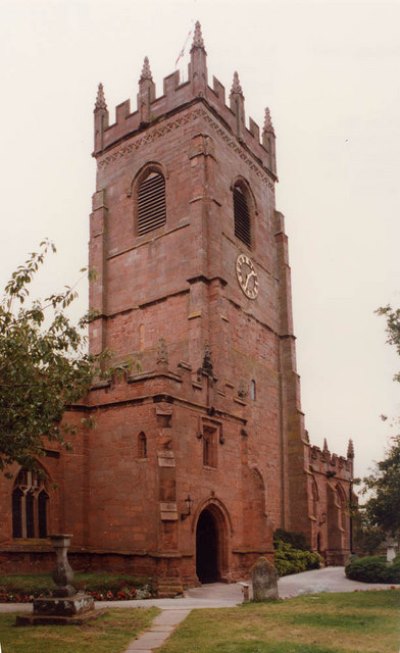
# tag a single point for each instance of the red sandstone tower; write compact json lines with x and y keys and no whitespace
{"x":198,"y":451}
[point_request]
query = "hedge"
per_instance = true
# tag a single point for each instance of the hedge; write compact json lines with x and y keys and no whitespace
{"x":373,"y":569}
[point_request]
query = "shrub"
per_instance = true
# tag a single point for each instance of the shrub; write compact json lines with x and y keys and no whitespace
{"x":289,"y":560}
{"x":292,"y":555}
{"x":296,"y":540}
{"x":373,"y":569}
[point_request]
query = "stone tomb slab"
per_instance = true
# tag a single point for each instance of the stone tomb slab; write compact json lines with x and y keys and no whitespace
{"x":73,"y":610}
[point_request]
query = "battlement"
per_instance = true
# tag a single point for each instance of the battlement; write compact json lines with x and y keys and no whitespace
{"x":151,"y":110}
{"x":330,"y":464}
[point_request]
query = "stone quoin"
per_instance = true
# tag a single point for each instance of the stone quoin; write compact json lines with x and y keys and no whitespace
{"x":198,"y":451}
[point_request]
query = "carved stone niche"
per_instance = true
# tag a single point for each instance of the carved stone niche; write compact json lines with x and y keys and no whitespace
{"x":162,"y":354}
{"x":243,"y":389}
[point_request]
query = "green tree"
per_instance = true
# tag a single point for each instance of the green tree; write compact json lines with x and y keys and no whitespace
{"x":367,"y":538}
{"x":392,"y":317}
{"x":44,"y":365}
{"x":383,"y":506}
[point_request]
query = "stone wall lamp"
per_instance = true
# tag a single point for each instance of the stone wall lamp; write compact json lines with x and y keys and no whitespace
{"x":188,"y":507}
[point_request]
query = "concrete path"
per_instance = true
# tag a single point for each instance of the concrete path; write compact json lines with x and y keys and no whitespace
{"x":219,"y":595}
{"x":330,"y":579}
{"x":160,"y":630}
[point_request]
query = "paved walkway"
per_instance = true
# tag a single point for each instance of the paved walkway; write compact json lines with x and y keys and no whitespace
{"x":219,"y":595}
{"x":160,"y":630}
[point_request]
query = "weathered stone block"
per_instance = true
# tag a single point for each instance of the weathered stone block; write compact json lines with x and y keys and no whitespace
{"x":265,"y":580}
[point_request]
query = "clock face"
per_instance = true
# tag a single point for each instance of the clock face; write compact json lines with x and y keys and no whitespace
{"x":247,"y":276}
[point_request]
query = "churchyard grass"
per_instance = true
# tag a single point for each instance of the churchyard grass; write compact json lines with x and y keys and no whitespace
{"x":110,"y":633}
{"x":367,"y":622}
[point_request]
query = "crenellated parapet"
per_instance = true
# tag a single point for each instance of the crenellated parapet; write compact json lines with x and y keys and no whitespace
{"x":322,"y":461}
{"x":152,"y":110}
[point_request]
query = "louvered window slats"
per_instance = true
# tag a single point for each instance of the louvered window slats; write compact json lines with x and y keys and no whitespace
{"x":242,"y":217}
{"x":151,"y":205}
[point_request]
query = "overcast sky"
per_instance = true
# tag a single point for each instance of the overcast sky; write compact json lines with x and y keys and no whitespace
{"x":330,"y":73}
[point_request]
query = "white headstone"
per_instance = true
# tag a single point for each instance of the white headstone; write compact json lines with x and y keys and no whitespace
{"x":390,"y":555}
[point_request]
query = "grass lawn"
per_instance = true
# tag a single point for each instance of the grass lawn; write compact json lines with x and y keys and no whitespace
{"x":110,"y":633}
{"x":367,"y":622}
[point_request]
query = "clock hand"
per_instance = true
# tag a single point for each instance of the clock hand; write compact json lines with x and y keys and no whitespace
{"x":252,"y":274}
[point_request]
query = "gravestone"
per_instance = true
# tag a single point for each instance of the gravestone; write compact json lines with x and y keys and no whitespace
{"x":265,"y":580}
{"x":65,"y":605}
{"x":391,"y":547}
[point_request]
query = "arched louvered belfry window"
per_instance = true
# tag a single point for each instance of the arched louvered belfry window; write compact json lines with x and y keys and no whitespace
{"x":29,"y":505}
{"x":241,"y":211}
{"x":150,"y":202}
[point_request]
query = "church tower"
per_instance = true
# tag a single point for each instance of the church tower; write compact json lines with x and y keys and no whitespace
{"x":202,"y":447}
{"x":194,"y":451}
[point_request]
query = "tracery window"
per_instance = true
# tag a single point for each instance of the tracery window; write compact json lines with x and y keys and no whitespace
{"x":241,"y":212}
{"x":150,"y":202}
{"x":29,"y":505}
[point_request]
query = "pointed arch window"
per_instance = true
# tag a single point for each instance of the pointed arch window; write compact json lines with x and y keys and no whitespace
{"x":342,"y":502}
{"x":142,"y":445}
{"x":150,"y":202}
{"x":29,"y":505}
{"x":241,"y":212}
{"x":315,"y":497}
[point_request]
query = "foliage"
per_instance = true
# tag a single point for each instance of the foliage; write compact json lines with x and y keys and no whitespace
{"x":292,"y":555}
{"x":44,"y":365}
{"x":392,"y":317}
{"x":289,"y":560}
{"x":373,"y":569}
{"x":297,"y":540}
{"x":383,"y":507}
{"x":111,"y":631}
{"x":319,"y":623}
{"x":367,"y":538}
{"x":22,"y":588}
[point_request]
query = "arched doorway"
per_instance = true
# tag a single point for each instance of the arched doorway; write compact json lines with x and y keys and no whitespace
{"x":208,"y":547}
